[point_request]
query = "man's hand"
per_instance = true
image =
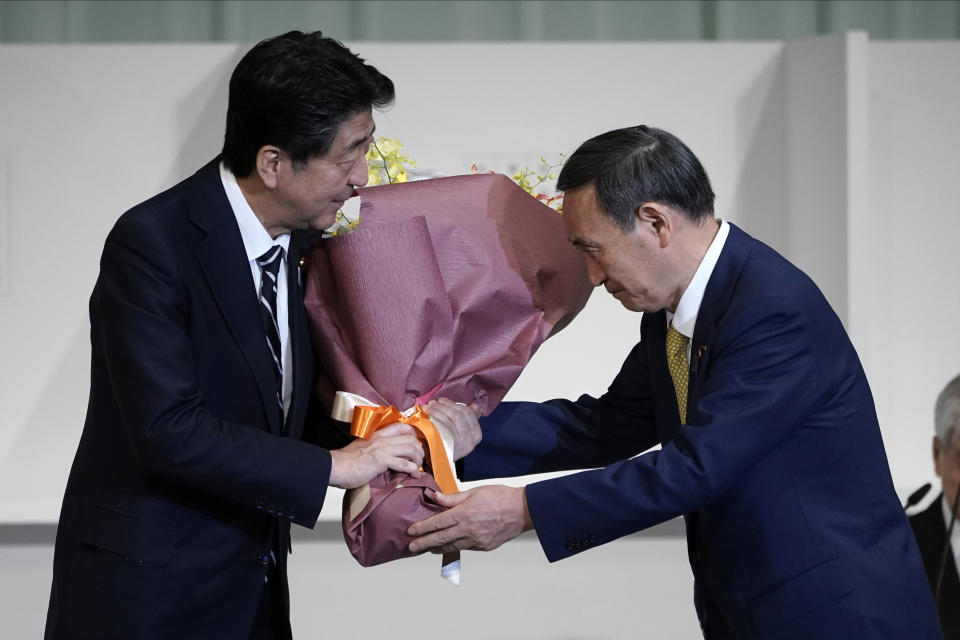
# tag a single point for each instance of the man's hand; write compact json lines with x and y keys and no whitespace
{"x":460,"y":419}
{"x":394,"y":447}
{"x":482,"y":519}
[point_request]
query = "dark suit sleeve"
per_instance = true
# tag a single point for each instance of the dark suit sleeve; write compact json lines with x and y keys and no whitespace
{"x":142,"y":309}
{"x":525,"y":437}
{"x":764,"y":381}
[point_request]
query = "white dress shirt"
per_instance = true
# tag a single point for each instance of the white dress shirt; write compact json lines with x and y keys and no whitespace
{"x":256,"y":242}
{"x":684,"y":319}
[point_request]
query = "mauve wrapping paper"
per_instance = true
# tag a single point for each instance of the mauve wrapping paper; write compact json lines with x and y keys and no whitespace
{"x":376,"y":516}
{"x":446,"y":289}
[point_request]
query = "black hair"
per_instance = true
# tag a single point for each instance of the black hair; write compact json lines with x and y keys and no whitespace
{"x":629,"y":167}
{"x":294,"y":91}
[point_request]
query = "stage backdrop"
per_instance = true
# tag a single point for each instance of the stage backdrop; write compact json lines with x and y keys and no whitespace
{"x":839,"y":152}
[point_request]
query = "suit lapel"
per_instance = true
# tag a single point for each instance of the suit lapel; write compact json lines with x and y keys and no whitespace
{"x":223,"y":260}
{"x":299,"y":337}
{"x":713,"y":307}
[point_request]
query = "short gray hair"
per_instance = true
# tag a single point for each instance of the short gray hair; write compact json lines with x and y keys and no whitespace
{"x":947,"y":412}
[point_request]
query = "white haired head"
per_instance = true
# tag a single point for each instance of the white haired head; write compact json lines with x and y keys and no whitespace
{"x":947,"y":413}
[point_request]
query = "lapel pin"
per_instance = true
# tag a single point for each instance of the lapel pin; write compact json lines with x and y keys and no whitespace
{"x":301,"y":267}
{"x":702,"y":349}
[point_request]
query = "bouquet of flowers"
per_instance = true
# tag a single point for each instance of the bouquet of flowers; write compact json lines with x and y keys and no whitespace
{"x":446,"y":289}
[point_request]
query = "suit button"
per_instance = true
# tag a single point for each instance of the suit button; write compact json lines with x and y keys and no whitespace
{"x":264,"y":561}
{"x":260,"y":505}
{"x":290,"y":515}
{"x":570,"y":547}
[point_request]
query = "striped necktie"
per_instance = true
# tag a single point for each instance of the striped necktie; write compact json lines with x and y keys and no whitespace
{"x":679,"y":369}
{"x":269,"y":264}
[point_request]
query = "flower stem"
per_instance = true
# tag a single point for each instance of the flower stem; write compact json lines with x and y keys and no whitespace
{"x":384,"y":160}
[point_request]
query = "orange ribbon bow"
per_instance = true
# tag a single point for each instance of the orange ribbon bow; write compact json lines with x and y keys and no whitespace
{"x":367,"y":420}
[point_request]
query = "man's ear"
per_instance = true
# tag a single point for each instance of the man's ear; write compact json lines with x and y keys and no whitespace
{"x":268,"y":165}
{"x":657,"y":219}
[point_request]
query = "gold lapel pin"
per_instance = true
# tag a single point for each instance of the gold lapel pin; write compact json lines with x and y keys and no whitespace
{"x":702,"y":349}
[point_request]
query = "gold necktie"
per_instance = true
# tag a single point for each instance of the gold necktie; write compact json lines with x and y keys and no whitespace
{"x":679,"y":369}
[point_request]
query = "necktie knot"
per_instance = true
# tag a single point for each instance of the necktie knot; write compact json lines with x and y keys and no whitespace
{"x":679,"y":368}
{"x":676,"y":341}
{"x":270,"y":261}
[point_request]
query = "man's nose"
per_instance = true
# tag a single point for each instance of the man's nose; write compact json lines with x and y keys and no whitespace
{"x":359,"y":175}
{"x":595,"y":273}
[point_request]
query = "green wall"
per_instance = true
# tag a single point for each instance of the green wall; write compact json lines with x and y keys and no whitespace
{"x":490,"y":20}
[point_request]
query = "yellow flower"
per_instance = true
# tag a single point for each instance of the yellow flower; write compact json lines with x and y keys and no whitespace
{"x":386,"y":163}
{"x":531,"y":181}
{"x":389,"y":146}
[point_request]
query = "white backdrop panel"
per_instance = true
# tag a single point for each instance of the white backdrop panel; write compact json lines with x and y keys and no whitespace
{"x":910,"y":337}
{"x":91,"y":130}
{"x":88,"y":131}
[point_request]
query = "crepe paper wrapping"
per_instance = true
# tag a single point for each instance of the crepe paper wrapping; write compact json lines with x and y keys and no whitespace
{"x":399,"y":511}
{"x":446,"y":289}
{"x":376,"y":516}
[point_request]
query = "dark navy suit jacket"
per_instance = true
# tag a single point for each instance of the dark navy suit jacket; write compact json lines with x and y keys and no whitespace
{"x":793,"y":526}
{"x":931,"y":532}
{"x":184,"y":479}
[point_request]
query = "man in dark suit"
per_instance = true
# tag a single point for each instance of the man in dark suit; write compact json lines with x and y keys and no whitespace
{"x":199,"y":450}
{"x":745,"y":376}
{"x":930,"y":525}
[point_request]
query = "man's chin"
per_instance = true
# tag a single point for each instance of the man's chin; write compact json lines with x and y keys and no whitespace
{"x":323,"y":222}
{"x":632,"y":304}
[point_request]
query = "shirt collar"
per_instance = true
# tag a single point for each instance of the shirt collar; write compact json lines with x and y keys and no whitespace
{"x":946,"y":519}
{"x":684,"y":319}
{"x":256,"y":240}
